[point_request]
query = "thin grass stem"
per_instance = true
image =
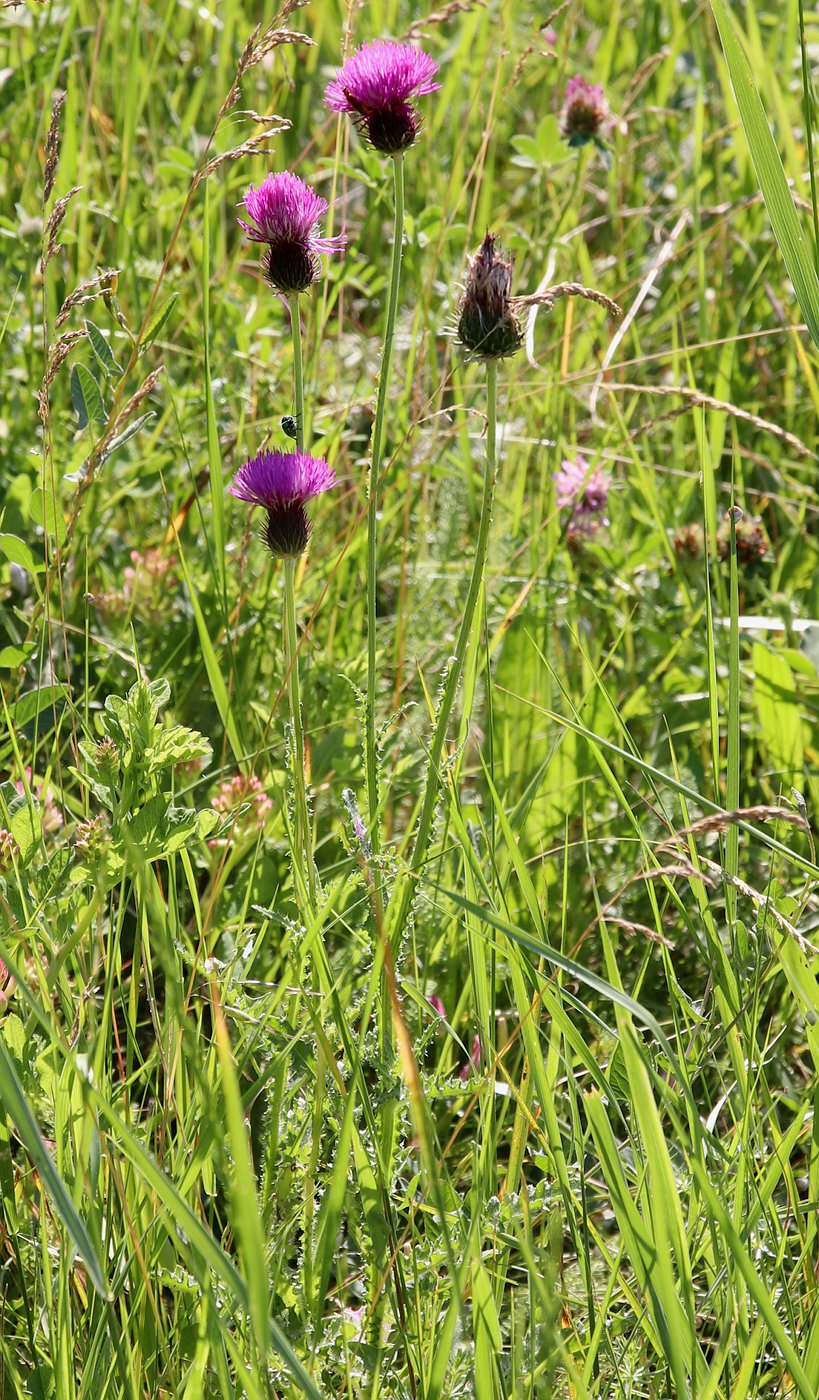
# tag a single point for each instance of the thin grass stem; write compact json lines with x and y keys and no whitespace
{"x":404,"y":891}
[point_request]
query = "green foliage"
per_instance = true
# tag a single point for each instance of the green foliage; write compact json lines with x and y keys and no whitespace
{"x":590,"y":1168}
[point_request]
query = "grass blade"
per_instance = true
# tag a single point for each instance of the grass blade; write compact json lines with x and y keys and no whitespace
{"x":770,"y":173}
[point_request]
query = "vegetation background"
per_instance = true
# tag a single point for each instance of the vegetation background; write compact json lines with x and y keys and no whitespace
{"x":602,"y":1173}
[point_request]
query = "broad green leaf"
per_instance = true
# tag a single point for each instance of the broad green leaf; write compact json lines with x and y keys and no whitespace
{"x":771,"y":174}
{"x":46,"y":512}
{"x":86,"y":397}
{"x":18,"y":552}
{"x":34,"y":701}
{"x":101,"y":348}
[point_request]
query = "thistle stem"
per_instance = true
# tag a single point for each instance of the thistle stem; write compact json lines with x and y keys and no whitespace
{"x":372,"y":508}
{"x":304,"y":836}
{"x":298,"y":371}
{"x":401,"y":901}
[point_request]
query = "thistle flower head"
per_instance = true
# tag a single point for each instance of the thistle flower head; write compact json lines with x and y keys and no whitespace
{"x":585,"y":113}
{"x":584,"y":493}
{"x":282,"y":483}
{"x":377,"y":85}
{"x":487,"y":325}
{"x":284,"y":214}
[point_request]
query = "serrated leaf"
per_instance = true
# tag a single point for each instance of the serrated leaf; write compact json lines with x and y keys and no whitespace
{"x":86,"y":397}
{"x":176,"y":745}
{"x":771,"y":174}
{"x":101,"y":349}
{"x":158,"y":322}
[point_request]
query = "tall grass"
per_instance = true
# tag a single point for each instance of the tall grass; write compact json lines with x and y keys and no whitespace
{"x":528,"y":1108}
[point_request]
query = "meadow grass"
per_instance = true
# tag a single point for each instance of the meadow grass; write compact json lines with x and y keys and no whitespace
{"x":527,"y":1108}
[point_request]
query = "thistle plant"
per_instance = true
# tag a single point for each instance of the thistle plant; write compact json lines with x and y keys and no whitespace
{"x":284,"y":215}
{"x":378,"y":86}
{"x":488,"y":331}
{"x":282,"y":483}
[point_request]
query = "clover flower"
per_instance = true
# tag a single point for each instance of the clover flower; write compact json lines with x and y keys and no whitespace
{"x":585,"y":113}
{"x":8,"y":849}
{"x":284,"y":214}
{"x":243,"y":792}
{"x":584,"y":493}
{"x":282,"y":483}
{"x":51,"y":817}
{"x":751,"y":540}
{"x":376,"y":86}
{"x":488,"y":327}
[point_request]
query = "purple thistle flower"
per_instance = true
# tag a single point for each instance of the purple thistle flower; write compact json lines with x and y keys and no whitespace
{"x":585,"y":113}
{"x":282,"y":483}
{"x":473,"y":1064}
{"x":285,"y":212}
{"x":584,"y":493}
{"x":376,"y":85}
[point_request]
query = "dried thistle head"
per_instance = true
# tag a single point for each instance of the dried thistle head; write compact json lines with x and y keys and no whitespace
{"x":488,"y":327}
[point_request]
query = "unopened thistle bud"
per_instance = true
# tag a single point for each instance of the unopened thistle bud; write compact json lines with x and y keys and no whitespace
{"x":488,"y":328}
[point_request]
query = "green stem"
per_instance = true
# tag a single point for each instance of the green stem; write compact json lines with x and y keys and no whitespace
{"x":372,"y":509}
{"x":405,"y":887}
{"x":304,"y":836}
{"x":298,"y":371}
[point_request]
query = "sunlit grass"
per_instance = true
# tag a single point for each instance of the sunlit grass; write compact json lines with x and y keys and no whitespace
{"x":553,"y":1134}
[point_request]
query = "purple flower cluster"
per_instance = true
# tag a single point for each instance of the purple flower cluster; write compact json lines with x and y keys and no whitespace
{"x":284,"y":214}
{"x":282,"y":483}
{"x":584,"y":493}
{"x":376,"y":86}
{"x":585,"y":114}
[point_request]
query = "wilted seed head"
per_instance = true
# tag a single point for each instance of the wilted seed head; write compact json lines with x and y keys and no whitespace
{"x":282,"y":483}
{"x":585,"y":113}
{"x":689,"y":541}
{"x":488,"y":328}
{"x":752,"y":542}
{"x":284,"y":214}
{"x":376,"y":86}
